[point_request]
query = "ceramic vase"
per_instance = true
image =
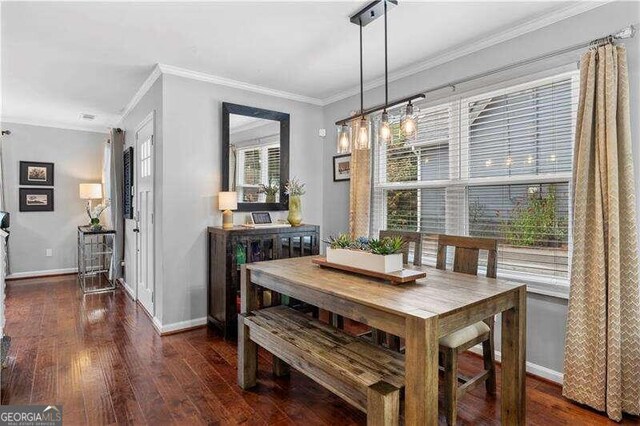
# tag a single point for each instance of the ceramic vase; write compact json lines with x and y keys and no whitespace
{"x":295,"y":210}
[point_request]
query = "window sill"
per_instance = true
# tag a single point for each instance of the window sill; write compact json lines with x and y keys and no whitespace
{"x":544,"y":286}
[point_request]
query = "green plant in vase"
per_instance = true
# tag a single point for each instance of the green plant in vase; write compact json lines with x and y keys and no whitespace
{"x":270,"y":190}
{"x":294,"y":189}
{"x":94,"y":214}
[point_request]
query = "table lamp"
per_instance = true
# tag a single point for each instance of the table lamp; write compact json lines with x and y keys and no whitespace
{"x":227,"y":201}
{"x":90,"y":191}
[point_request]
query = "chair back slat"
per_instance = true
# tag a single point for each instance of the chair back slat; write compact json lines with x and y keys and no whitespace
{"x":409,"y":237}
{"x":467,"y":253}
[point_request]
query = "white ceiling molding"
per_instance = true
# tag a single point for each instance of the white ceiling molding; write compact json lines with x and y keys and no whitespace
{"x":160,"y":69}
{"x":55,"y":124}
{"x":144,"y":88}
{"x":222,"y":81}
{"x":467,"y":49}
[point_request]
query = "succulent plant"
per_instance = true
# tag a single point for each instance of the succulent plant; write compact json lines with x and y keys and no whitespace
{"x":387,"y":245}
{"x":384,"y":246}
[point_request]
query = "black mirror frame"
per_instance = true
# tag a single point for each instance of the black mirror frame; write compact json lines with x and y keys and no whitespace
{"x":283,"y":118}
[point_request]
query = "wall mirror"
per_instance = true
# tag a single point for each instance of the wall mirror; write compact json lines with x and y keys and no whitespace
{"x":255,"y":156}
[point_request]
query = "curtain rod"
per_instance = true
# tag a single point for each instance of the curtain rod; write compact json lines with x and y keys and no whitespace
{"x":625,"y":33}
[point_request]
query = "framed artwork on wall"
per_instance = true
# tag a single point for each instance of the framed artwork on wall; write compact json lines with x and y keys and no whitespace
{"x":342,"y":167}
{"x":36,"y":199}
{"x":36,"y":173}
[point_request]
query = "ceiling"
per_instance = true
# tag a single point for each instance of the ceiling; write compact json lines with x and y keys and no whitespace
{"x":61,"y":59}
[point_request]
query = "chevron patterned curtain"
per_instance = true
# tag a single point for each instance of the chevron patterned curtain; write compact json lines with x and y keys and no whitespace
{"x":602,"y":354}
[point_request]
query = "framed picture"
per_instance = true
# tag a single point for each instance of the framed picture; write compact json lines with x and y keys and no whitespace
{"x":36,"y":199}
{"x":341,"y":167}
{"x":34,"y":173}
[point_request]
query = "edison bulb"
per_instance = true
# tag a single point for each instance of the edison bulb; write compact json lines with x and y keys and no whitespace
{"x":385,"y":128}
{"x":363,"y":135}
{"x":344,"y":144}
{"x":409,"y":125}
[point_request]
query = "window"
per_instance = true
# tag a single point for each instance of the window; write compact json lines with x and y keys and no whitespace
{"x":494,"y":165}
{"x":257,"y":165}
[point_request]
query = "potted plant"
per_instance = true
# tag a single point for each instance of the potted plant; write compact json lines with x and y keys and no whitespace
{"x":270,"y":190}
{"x":383,"y":255}
{"x":294,"y":189}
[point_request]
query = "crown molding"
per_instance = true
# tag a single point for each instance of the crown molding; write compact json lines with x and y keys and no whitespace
{"x":144,"y":88}
{"x":54,"y":124}
{"x":526,"y":27}
{"x":161,"y":69}
{"x":236,"y":84}
{"x":553,"y":17}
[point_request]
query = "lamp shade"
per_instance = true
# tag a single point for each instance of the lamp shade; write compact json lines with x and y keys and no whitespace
{"x":91,"y":191}
{"x":228,"y":200}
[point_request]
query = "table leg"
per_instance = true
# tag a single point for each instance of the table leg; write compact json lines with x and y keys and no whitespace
{"x":421,"y":370}
{"x":514,"y":333}
{"x":247,"y":349}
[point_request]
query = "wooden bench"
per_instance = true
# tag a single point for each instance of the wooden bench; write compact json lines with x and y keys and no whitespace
{"x":367,"y":376}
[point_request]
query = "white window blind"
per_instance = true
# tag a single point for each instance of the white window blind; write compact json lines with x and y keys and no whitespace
{"x":494,"y":165}
{"x":257,"y":165}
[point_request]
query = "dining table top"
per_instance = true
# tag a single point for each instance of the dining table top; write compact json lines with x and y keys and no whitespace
{"x":440,"y":293}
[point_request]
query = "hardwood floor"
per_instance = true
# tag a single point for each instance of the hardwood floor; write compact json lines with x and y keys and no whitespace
{"x":99,"y":356}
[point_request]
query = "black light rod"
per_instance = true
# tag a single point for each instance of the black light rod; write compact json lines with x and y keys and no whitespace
{"x":380,"y":108}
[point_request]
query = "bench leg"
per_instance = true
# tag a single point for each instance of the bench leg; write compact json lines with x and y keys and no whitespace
{"x":247,"y":356}
{"x":280,"y":368}
{"x":383,"y":405}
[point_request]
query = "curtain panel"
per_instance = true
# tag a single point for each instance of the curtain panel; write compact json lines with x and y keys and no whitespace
{"x":360,"y":187}
{"x":602,"y":353}
{"x":112,"y":178}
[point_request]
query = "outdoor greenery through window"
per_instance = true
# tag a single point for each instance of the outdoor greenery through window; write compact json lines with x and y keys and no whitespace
{"x":494,"y":165}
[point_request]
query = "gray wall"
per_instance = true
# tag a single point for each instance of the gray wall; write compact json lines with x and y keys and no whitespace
{"x":77,"y":158}
{"x":151,"y":102}
{"x":546,"y":315}
{"x":188,"y":180}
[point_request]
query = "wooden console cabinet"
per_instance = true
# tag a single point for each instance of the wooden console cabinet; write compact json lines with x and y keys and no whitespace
{"x":226,"y":247}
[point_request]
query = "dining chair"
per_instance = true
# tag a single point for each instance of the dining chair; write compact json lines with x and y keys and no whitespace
{"x":465,"y":260}
{"x":409,"y":237}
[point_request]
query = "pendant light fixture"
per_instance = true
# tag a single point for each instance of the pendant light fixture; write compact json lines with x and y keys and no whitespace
{"x":359,"y":138}
{"x":362,"y":141}
{"x":344,"y":139}
{"x":385,"y":127}
{"x":409,"y":124}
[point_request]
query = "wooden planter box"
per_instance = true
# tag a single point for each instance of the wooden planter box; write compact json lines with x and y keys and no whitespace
{"x":367,"y":261}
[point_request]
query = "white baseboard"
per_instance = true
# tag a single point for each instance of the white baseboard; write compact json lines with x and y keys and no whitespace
{"x":177,"y":326}
{"x":534,"y":369}
{"x":30,"y":274}
{"x":129,"y":290}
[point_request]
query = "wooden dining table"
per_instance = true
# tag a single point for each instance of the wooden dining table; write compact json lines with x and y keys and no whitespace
{"x":420,"y":312}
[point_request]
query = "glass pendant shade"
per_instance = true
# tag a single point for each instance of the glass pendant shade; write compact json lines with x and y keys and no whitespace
{"x":385,"y":128}
{"x":344,"y":140}
{"x":409,"y":124}
{"x":363,"y":135}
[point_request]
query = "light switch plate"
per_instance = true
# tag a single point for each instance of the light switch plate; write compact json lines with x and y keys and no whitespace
{"x":322,"y":132}
{"x":48,"y":252}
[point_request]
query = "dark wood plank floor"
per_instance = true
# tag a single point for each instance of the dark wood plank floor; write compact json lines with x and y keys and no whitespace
{"x":99,"y":356}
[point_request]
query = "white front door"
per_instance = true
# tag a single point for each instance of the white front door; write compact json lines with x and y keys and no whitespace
{"x":144,"y":214}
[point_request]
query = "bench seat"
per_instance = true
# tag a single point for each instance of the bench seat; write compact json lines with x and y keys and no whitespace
{"x":367,"y":376}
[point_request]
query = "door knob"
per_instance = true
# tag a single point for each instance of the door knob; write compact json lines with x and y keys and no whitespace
{"x":136,"y":230}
